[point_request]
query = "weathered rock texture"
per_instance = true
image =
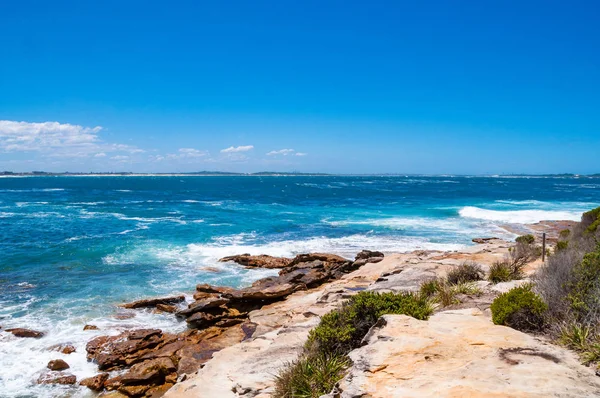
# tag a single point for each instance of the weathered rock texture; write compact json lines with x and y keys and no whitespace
{"x":219,"y":317}
{"x":21,"y":332}
{"x":461,"y":354}
{"x":247,"y":369}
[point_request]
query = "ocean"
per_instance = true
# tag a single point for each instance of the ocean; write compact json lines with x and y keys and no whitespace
{"x":71,"y":248}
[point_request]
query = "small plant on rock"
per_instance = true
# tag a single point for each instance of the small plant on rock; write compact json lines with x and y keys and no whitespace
{"x":504,"y":271}
{"x":520,"y":308}
{"x":466,"y":272}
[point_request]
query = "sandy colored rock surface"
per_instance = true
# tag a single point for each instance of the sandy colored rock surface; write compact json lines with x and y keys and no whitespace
{"x":462,"y":354}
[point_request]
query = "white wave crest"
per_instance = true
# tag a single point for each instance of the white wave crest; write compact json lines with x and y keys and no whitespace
{"x":518,"y":216}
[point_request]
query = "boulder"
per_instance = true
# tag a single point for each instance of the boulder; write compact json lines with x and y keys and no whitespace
{"x":28,"y":333}
{"x":367,"y":254}
{"x":57,"y":378}
{"x":203,"y":305}
{"x":111,"y":352}
{"x":146,"y":303}
{"x":324,"y":257}
{"x":206,"y":288}
{"x":58,"y":364}
{"x":95,"y":383}
{"x":166,"y":308}
{"x":151,"y":372}
{"x":263,"y":292}
{"x":90,"y":327}
{"x":260,"y":261}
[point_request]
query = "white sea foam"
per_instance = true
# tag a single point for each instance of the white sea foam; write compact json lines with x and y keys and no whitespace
{"x":518,"y":216}
{"x":23,"y":360}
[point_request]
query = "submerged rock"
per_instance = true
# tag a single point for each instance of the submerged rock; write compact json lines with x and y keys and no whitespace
{"x":27,"y":333}
{"x":63,"y":348}
{"x":57,"y":378}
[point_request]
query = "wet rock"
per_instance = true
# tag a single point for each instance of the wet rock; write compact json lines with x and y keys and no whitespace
{"x":134,"y":391}
{"x":166,"y":308}
{"x":90,"y":327}
{"x":58,"y":364}
{"x":206,"y":288}
{"x":153,"y":302}
{"x":95,"y":383}
{"x":166,"y":351}
{"x":111,"y":352}
{"x":158,"y":391}
{"x":151,"y":372}
{"x":124,"y":315}
{"x":57,"y":378}
{"x":113,"y":383}
{"x":63,"y":348}
{"x":260,"y":261}
{"x":483,"y":240}
{"x":114,"y":394}
{"x":324,"y":257}
{"x":28,"y":333}
{"x":203,"y":305}
{"x":366,"y":254}
{"x":264,"y":291}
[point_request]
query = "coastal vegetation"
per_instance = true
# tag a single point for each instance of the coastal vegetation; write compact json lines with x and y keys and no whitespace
{"x":520,"y":308}
{"x":324,"y":358}
{"x":564,"y":299}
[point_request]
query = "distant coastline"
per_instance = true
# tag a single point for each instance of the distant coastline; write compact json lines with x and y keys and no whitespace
{"x":275,"y":173}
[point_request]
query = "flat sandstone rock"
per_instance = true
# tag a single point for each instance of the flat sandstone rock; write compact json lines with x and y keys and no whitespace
{"x":462,"y":354}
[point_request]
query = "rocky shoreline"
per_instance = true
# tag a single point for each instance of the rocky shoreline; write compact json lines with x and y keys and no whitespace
{"x":148,"y":362}
{"x":237,"y":338}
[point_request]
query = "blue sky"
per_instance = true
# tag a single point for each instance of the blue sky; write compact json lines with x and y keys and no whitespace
{"x":463,"y":87}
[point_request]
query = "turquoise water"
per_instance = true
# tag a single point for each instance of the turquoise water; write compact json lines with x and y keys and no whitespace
{"x":73,"y":247}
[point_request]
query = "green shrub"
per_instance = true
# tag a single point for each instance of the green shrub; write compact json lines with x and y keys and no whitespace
{"x":575,"y":336}
{"x":584,"y":296}
{"x":529,"y":239}
{"x":561,"y":245}
{"x":324,"y":359}
{"x":520,"y":308}
{"x":564,"y":234}
{"x":466,"y":272}
{"x":503,"y":271}
{"x":430,"y":287}
{"x":310,"y":376}
{"x":591,"y":220}
{"x":342,"y":330}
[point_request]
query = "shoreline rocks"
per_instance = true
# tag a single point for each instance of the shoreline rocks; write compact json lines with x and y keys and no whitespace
{"x":154,"y":302}
{"x":259,"y":261}
{"x":218,"y":318}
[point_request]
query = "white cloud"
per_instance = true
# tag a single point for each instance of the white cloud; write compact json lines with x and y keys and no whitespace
{"x":100,"y":155}
{"x":301,"y":154}
{"x":192,"y":153}
{"x":283,"y":152}
{"x":243,"y":148}
{"x":25,"y":136}
{"x":120,"y":158}
{"x":54,"y":139}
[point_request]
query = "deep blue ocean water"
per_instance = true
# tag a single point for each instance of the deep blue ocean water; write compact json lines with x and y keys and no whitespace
{"x":73,"y":247}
